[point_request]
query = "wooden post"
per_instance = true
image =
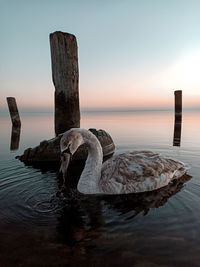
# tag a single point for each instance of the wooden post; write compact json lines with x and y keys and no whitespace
{"x":15,"y":137}
{"x":177,"y":117}
{"x":64,"y":59}
{"x":178,"y":101}
{"x":14,"y":114}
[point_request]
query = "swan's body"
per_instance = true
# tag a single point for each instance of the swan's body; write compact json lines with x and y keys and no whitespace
{"x":130,"y":172}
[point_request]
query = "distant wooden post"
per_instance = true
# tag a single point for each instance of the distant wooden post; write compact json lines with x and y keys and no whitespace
{"x":178,"y":101}
{"x":14,"y":114}
{"x":177,"y":117}
{"x":64,"y":59}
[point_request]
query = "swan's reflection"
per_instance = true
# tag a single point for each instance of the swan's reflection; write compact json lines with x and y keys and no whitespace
{"x":143,"y":202}
{"x":81,"y":217}
{"x":177,"y":130}
{"x":15,"y":137}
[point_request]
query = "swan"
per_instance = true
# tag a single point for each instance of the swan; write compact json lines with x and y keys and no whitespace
{"x":130,"y":172}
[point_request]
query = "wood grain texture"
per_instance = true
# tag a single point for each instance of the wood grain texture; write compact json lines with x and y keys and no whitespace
{"x":65,"y":74}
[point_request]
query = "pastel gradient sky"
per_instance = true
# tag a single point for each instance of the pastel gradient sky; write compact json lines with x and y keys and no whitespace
{"x":132,"y":54}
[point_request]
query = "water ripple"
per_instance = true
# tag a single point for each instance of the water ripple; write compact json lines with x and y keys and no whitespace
{"x":29,"y":196}
{"x":26,"y":194}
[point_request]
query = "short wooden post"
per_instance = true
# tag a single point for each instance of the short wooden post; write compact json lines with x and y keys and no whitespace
{"x":177,"y":117}
{"x":15,"y":137}
{"x":64,"y":59}
{"x":14,"y":114}
{"x":178,"y":101}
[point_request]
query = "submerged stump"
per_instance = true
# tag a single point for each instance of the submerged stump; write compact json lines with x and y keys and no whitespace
{"x":48,"y":151}
{"x":65,"y":74}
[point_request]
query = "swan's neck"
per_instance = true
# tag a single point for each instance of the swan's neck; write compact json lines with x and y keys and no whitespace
{"x":89,"y":180}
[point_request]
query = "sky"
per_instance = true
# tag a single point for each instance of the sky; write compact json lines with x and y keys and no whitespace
{"x":133,"y":54}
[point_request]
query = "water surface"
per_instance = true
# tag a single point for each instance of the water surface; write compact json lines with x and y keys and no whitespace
{"x":40,"y":228}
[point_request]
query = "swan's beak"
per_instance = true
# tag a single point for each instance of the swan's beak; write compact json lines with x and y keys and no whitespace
{"x":65,"y":160}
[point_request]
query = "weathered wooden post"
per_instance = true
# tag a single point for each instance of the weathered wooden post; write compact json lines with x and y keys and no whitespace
{"x":14,"y":114}
{"x":178,"y":101}
{"x":15,"y":137}
{"x":64,"y":59}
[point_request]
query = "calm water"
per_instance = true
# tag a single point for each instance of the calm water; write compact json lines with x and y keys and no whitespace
{"x":38,"y":228}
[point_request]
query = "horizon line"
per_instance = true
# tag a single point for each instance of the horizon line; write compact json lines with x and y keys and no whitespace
{"x":103,"y":110}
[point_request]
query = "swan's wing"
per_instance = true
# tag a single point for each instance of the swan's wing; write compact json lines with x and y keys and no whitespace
{"x":138,"y":171}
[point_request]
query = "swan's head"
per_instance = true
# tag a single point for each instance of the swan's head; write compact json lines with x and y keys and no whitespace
{"x":69,"y":143}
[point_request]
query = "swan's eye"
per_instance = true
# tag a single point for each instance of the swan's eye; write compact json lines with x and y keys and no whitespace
{"x":67,"y":150}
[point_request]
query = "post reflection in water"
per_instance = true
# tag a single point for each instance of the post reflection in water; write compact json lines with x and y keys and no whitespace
{"x":15,"y":137}
{"x":177,"y":130}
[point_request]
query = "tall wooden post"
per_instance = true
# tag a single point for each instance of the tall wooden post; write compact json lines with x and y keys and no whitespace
{"x":14,"y":114}
{"x":178,"y":101}
{"x":64,"y":59}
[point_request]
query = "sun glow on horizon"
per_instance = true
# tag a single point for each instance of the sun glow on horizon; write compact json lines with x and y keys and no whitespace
{"x":183,"y":74}
{"x":148,"y":90}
